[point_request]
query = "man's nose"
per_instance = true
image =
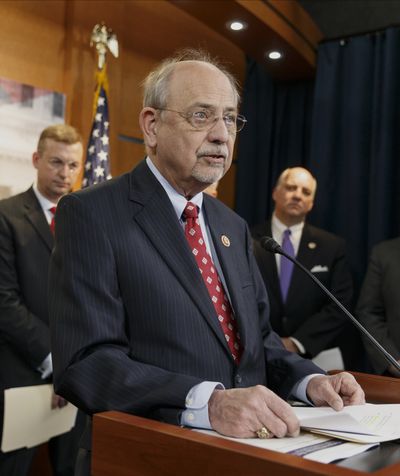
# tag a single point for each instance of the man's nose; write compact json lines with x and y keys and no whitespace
{"x":218,"y":131}
{"x":64,"y":170}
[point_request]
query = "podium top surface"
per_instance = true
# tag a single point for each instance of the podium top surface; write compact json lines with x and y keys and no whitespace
{"x":129,"y":445}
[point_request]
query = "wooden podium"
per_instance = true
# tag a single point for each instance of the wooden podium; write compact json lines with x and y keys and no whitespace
{"x":125,"y":445}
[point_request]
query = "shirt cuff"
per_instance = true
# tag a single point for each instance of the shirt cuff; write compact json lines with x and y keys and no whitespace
{"x":299,"y":391}
{"x":299,"y":345}
{"x":196,"y":413}
{"x":46,"y":367}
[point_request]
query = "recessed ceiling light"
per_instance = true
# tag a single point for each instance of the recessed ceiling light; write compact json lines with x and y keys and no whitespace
{"x":237,"y":25}
{"x":274,"y":55}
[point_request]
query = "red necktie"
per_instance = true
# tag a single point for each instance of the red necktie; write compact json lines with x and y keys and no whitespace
{"x":53,"y":223}
{"x":211,"y":279}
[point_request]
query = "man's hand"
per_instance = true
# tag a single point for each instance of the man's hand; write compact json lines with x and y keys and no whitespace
{"x":241,"y":412}
{"x":336,"y":391}
{"x":290,"y":345}
{"x":57,"y":401}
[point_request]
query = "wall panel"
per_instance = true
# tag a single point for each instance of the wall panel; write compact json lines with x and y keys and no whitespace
{"x":46,"y":43}
{"x":32,"y":42}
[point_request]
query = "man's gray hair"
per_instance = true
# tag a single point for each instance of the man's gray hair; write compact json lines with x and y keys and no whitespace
{"x":156,"y":83}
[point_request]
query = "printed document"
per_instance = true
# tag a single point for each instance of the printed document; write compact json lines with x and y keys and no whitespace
{"x":359,"y":423}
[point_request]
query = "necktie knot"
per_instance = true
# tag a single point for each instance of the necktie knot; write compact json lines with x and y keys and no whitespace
{"x":53,"y":210}
{"x":190,"y":211}
{"x":287,"y":244}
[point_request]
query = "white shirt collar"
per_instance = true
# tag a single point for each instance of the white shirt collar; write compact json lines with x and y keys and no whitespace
{"x":45,"y":203}
{"x":178,"y":201}
{"x":278,"y":228}
{"x":281,"y":227}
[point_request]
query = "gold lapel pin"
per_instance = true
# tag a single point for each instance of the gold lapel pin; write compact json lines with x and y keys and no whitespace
{"x":312,"y":245}
{"x":226,"y":241}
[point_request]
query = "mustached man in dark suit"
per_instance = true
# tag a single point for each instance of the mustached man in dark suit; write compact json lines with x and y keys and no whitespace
{"x":136,"y":326}
{"x":26,"y":241}
{"x":305,"y":318}
{"x":378,"y":307}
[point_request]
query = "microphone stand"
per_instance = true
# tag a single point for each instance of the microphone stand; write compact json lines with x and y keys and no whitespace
{"x":269,"y":244}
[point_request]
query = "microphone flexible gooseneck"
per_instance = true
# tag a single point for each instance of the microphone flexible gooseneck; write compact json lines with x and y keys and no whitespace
{"x":269,"y":244}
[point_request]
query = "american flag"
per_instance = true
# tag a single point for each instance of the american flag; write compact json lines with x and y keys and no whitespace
{"x":97,"y":166}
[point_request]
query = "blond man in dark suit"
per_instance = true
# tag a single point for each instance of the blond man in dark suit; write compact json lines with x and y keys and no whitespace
{"x":26,"y":241}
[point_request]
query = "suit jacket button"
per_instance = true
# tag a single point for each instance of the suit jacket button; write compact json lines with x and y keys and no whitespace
{"x":238,"y":378}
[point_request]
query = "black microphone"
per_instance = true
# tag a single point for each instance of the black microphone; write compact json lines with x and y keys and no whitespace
{"x":269,"y":244}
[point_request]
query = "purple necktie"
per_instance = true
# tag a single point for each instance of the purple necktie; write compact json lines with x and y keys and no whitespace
{"x":286,"y":265}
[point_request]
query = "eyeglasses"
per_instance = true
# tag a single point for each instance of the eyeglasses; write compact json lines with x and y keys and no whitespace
{"x":205,"y":119}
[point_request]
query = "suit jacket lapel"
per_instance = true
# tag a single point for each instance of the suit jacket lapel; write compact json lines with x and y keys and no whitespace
{"x":305,"y":252}
{"x":35,"y":216}
{"x":154,"y":213}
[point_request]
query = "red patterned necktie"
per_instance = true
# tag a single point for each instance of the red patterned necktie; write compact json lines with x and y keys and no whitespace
{"x":212,"y":281}
{"x":53,"y":223}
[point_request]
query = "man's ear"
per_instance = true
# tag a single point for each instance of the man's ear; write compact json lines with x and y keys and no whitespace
{"x":35,"y":159}
{"x":148,"y":124}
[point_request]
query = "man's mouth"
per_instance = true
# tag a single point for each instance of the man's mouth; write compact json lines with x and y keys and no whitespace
{"x":214,"y":159}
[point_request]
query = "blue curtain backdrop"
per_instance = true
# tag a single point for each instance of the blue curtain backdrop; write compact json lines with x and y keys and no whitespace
{"x":345,"y":129}
{"x":355,"y":146}
{"x":277,"y":136}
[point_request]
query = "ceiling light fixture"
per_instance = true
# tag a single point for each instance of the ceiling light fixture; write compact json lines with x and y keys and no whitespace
{"x":274,"y":55}
{"x":237,"y":25}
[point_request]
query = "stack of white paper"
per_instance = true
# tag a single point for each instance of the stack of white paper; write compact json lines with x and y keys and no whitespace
{"x":310,"y":446}
{"x":335,"y":435}
{"x":359,"y":423}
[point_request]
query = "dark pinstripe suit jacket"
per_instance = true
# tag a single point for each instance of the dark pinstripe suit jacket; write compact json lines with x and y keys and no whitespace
{"x":133,"y":327}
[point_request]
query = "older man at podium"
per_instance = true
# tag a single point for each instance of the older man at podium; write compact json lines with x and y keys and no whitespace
{"x":157,"y":305}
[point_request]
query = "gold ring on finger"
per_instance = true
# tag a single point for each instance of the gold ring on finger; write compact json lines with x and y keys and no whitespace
{"x":263,"y":433}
